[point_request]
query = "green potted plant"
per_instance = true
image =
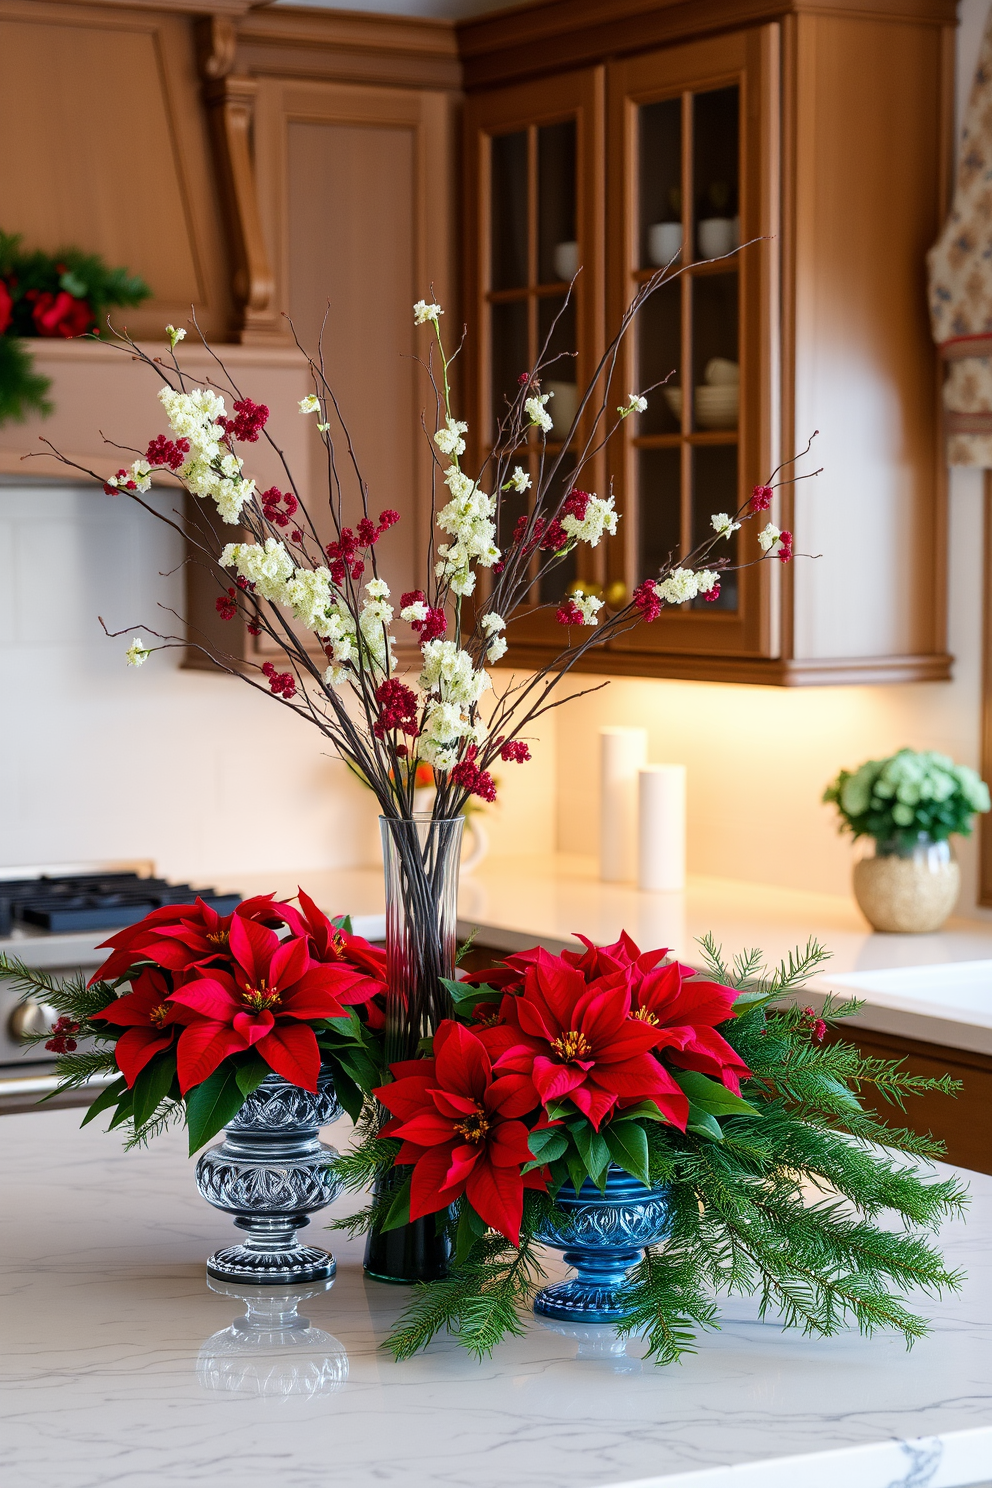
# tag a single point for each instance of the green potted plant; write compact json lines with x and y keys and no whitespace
{"x":906,"y":807}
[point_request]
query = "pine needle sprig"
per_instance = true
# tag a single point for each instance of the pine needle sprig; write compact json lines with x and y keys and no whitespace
{"x":79,"y":1068}
{"x":667,"y":1302}
{"x":68,"y":995}
{"x":169,"y":1113}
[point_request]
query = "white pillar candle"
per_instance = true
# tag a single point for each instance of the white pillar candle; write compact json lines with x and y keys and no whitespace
{"x":661,"y":827}
{"x":622,"y":751}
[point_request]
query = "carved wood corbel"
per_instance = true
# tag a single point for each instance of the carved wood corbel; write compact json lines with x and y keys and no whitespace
{"x":230,"y":102}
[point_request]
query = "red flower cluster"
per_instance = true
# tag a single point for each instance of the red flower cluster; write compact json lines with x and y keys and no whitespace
{"x":398,"y":709}
{"x":647,"y":599}
{"x":472,"y":778}
{"x":281,"y":684}
{"x":6,"y":306}
{"x":434,"y":623}
{"x":248,"y":422}
{"x":227,"y":604}
{"x":59,"y":314}
{"x":167,"y":452}
{"x":784,"y":551}
{"x":62,"y":1040}
{"x":712,"y":595}
{"x":343,"y":554}
{"x":515,"y":751}
{"x":278,"y":506}
{"x":816,"y":1025}
{"x":761,"y":498}
{"x":214,"y":986}
{"x":568,"y":613}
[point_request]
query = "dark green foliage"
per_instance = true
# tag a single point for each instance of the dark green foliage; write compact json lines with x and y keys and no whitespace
{"x":777,"y":1194}
{"x":22,"y":390}
{"x":894,"y":800}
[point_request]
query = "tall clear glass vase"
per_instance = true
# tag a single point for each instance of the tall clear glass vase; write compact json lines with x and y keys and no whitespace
{"x":420,"y":858}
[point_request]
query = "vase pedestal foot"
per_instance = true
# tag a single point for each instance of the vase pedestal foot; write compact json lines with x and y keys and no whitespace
{"x":595,"y":1295}
{"x":272,"y":1255}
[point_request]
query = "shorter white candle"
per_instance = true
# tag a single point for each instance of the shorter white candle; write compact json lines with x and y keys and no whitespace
{"x":661,"y":827}
{"x":622,"y":751}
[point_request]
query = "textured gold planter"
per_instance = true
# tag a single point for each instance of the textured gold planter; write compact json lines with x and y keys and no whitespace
{"x":908,"y":893}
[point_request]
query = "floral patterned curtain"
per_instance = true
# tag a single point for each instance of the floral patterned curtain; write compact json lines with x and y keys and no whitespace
{"x":960,"y":265}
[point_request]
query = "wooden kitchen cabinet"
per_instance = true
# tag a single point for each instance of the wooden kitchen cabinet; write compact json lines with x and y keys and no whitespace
{"x":820,"y":138}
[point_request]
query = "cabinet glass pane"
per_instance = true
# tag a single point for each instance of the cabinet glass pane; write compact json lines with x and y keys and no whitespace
{"x":716,"y":171}
{"x":510,"y":356}
{"x":659,"y":487}
{"x":714,"y":489}
{"x":660,"y":182}
{"x":556,"y":320}
{"x":659,"y":345}
{"x":715,"y":357}
{"x":509,"y":210}
{"x":557,"y":249}
{"x":554,"y":584}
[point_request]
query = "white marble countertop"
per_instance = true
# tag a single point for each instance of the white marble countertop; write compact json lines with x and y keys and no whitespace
{"x":117,"y":1370}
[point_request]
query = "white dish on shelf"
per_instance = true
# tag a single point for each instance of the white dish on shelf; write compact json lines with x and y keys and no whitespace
{"x":664,"y":242}
{"x":714,"y":407}
{"x":565,"y":257}
{"x":562,"y":407}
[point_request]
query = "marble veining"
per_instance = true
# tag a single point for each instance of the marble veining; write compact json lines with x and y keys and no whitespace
{"x":121,"y":1369}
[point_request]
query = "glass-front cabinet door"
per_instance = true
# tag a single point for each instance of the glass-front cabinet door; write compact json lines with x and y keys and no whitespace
{"x":534,"y":183}
{"x":689,"y":159}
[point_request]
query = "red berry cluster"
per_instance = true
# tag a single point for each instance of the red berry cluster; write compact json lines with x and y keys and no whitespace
{"x":523,"y":379}
{"x":397,"y":709}
{"x":515,"y":751}
{"x":568,"y":613}
{"x":278,"y":506}
{"x":434,"y":623}
{"x":227,"y":604}
{"x":470,"y":777}
{"x":647,"y":599}
{"x":551,"y":536}
{"x":784,"y":553}
{"x":122,"y":484}
{"x":712,"y":594}
{"x":282,"y":684}
{"x":62,"y":1041}
{"x":344,"y":553}
{"x":761,"y":498}
{"x":248,"y":422}
{"x":167,"y":452}
{"x":816,"y":1025}
{"x":254,"y":628}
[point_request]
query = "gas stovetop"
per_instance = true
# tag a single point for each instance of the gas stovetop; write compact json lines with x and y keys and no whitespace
{"x":61,"y":904}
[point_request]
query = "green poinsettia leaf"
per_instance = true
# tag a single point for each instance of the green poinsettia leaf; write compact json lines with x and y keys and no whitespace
{"x":593,"y":1150}
{"x":628,"y":1146}
{"x":576,"y":1167}
{"x":644,"y":1111}
{"x":461,"y":992}
{"x":107,"y":1097}
{"x":251,"y":1074}
{"x":348,"y":1093}
{"x":211,"y":1105}
{"x":703,"y":1124}
{"x":399,"y":1209}
{"x":709,"y":1095}
{"x":548,"y":1144}
{"x":343,"y":922}
{"x":152,"y":1086}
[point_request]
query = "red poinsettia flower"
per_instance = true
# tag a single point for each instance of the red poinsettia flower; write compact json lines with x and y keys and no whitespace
{"x":179,"y":936}
{"x":150,"y":1020}
{"x":264,"y":1005}
{"x":579,"y":1041}
{"x":459,"y":1119}
{"x":6,"y":306}
{"x":685,"y":1009}
{"x":333,"y":946}
{"x":59,"y":314}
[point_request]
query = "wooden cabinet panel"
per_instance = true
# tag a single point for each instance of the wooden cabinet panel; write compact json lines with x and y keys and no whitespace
{"x":118,"y":88}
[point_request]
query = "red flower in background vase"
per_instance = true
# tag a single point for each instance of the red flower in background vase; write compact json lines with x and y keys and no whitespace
{"x":262,"y":1004}
{"x":59,"y":314}
{"x":6,"y":306}
{"x":459,"y":1120}
{"x":150,"y":1021}
{"x":579,"y":1041}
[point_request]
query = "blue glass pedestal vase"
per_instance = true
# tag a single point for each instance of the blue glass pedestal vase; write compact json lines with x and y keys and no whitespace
{"x":602,"y":1235}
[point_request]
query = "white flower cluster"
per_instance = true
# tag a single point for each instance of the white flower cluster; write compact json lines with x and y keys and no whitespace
{"x":210,"y":469}
{"x":139,"y":475}
{"x":588,"y":607}
{"x":309,"y":593}
{"x":519,"y":480}
{"x":422,"y":312}
{"x":600,"y":517}
{"x":373,"y":620}
{"x":269,"y":568}
{"x":724,"y":525}
{"x":684,"y":584}
{"x":635,"y":404}
{"x":468,"y":517}
{"x":310,"y":404}
{"x":449,"y":439}
{"x":495,"y":643}
{"x":137,"y":653}
{"x":537,"y":413}
{"x":416,"y":611}
{"x":768,"y":538}
{"x":174,"y":335}
{"x":455,"y":687}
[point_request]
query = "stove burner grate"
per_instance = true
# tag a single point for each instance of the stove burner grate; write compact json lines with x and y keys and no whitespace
{"x":95,"y":901}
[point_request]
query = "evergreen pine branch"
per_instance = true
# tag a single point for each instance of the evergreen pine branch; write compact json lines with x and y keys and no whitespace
{"x":80,"y":1067}
{"x":666,"y":1302}
{"x":67,"y":995}
{"x":169,"y":1113}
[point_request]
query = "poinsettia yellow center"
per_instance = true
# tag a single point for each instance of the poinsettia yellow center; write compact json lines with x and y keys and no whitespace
{"x":218,"y":937}
{"x":260,"y":998}
{"x":474,"y":1128}
{"x":645,"y":1016}
{"x":572,"y":1045}
{"x":159,"y":1014}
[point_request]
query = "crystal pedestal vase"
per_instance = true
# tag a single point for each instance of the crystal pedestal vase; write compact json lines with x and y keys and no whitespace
{"x":602,"y":1235}
{"x":420,"y":857}
{"x":271,"y":1172}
